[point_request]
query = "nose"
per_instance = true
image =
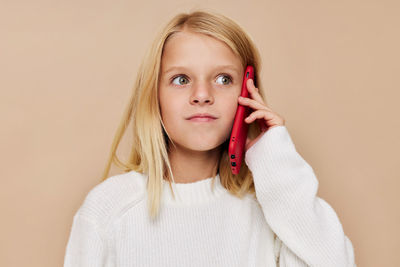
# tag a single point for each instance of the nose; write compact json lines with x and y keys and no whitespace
{"x":201,"y":94}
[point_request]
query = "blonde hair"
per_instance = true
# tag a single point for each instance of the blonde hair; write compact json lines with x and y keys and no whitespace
{"x":149,"y":136}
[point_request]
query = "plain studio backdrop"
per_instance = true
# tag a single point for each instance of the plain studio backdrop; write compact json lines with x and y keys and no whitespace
{"x":331,"y":69}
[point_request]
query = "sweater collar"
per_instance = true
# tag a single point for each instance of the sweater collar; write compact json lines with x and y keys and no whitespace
{"x":192,"y":193}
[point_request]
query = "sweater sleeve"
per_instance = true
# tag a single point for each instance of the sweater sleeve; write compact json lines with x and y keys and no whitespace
{"x":307,"y":226}
{"x":86,"y":247}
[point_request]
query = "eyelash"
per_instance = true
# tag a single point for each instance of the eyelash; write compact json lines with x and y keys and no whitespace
{"x":183,"y":75}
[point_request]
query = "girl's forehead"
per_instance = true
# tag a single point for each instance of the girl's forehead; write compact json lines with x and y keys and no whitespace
{"x":186,"y":47}
{"x":183,"y":41}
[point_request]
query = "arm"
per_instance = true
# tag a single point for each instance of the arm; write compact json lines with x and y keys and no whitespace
{"x":86,"y":247}
{"x":286,"y":188}
{"x":285,"y":257}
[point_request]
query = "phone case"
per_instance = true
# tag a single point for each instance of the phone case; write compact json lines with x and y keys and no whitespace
{"x":238,"y":137}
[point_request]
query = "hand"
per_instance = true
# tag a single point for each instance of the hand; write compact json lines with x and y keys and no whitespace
{"x":266,"y":118}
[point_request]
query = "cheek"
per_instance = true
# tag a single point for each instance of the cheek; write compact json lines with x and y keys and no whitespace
{"x":170,"y":109}
{"x":164,"y":100}
{"x":231,"y":106}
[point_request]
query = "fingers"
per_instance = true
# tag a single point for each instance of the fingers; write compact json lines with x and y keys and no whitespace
{"x":253,"y":91}
{"x":260,"y":114}
{"x":252,"y":103}
{"x":261,"y":111}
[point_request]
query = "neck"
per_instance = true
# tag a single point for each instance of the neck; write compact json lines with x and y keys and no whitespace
{"x":191,"y":166}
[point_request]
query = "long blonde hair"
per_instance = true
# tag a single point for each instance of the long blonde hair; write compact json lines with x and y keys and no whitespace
{"x":148,"y":154}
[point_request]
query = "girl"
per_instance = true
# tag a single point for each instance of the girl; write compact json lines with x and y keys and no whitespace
{"x":177,"y":202}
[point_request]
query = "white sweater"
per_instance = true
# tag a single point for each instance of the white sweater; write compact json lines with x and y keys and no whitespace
{"x":286,"y":225}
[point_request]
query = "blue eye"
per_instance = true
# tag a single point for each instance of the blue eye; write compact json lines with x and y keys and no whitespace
{"x":182,"y":77}
{"x":228,"y":76}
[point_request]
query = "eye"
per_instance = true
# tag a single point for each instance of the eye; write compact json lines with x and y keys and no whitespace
{"x":226,"y":78}
{"x":181,"y":78}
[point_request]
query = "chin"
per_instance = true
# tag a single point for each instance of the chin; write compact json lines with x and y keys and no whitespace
{"x":202,"y":148}
{"x":205,"y":146}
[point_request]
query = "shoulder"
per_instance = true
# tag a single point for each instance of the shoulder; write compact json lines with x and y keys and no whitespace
{"x":108,"y":198}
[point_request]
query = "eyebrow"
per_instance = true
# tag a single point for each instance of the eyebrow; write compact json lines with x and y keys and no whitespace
{"x":219,"y":67}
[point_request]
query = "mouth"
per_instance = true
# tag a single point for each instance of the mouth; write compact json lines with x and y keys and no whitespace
{"x":202,"y":119}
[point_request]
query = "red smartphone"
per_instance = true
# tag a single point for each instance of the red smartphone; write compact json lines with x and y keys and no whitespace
{"x":238,"y":137}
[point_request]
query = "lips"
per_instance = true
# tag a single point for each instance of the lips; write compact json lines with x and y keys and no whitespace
{"x":202,"y":116}
{"x":201,"y":119}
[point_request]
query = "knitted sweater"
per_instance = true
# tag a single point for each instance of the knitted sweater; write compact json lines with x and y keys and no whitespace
{"x":285,"y":225}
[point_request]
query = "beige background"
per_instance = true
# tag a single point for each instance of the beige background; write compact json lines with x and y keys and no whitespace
{"x":67,"y":69}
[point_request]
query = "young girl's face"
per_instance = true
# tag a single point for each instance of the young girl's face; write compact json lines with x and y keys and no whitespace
{"x":199,"y":74}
